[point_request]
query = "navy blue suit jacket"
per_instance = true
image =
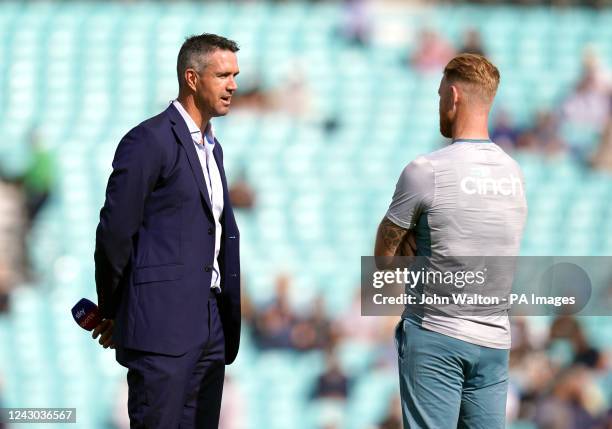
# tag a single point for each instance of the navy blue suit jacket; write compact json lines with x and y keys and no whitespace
{"x":155,"y":243}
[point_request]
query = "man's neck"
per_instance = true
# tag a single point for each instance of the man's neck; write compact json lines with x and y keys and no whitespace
{"x":471,"y":127}
{"x":190,"y":107}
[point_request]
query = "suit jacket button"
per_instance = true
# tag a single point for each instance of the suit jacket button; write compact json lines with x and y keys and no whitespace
{"x":210,"y":231}
{"x":207,"y":269}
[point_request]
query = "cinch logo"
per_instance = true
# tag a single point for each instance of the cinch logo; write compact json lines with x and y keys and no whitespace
{"x":506,"y":186}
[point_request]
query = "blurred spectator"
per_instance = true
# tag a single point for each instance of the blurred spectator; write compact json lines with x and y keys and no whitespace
{"x":291,"y":97}
{"x":356,"y":19}
{"x":524,"y":341}
{"x":294,"y":95}
{"x":587,"y":110}
{"x":567,"y":407}
{"x":606,"y":420}
{"x":567,"y":327}
{"x":251,"y":96}
{"x":589,"y":104}
{"x":505,"y":134}
{"x":273,"y":325}
{"x":472,"y":43}
{"x":602,"y":158}
{"x":315,"y":330}
{"x":241,"y":193}
{"x":13,"y":228}
{"x":364,"y":329}
{"x":5,"y":286}
{"x":432,"y":52}
{"x":39,"y":175}
{"x":532,"y":374}
{"x":333,"y":383}
{"x":556,"y":390}
{"x":393,"y":418}
{"x":544,"y":137}
{"x":247,"y":307}
{"x":233,"y":406}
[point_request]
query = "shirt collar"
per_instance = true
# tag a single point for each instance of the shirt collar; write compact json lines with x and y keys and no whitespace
{"x":472,"y":141}
{"x":195,"y":132}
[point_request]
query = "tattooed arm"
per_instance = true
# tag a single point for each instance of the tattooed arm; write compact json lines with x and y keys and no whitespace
{"x":392,"y":240}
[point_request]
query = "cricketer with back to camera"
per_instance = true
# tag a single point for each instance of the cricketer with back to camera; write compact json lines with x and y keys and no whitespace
{"x":466,"y":199}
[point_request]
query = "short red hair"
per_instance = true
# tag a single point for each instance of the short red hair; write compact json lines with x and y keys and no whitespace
{"x":476,"y":71}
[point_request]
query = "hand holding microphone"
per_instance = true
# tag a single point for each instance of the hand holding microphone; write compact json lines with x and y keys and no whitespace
{"x":105,"y":329}
{"x":87,"y":315}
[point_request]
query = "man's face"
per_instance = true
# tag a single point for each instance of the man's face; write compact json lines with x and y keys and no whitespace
{"x":447,"y":108}
{"x":216,"y":83}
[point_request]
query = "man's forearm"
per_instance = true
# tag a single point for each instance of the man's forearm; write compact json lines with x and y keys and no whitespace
{"x":388,"y":240}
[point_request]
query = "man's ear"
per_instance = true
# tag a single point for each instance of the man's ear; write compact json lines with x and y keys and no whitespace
{"x":455,"y":94}
{"x":191,"y":77}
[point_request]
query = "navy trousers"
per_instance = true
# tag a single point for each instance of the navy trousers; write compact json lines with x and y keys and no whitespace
{"x":177,"y":391}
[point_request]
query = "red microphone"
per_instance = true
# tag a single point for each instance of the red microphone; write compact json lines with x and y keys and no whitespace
{"x":86,"y":314}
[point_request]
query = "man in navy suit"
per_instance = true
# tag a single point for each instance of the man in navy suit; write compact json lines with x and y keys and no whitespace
{"x":167,"y":257}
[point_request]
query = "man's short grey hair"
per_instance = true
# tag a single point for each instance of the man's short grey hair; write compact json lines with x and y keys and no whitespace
{"x":195,"y":49}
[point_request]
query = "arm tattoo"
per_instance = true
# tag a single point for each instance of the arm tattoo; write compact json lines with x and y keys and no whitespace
{"x":392,"y":235}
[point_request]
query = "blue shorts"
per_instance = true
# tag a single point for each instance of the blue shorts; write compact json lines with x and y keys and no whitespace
{"x":449,"y":383}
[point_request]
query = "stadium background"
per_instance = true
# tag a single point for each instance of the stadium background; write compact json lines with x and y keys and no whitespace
{"x":335,"y":98}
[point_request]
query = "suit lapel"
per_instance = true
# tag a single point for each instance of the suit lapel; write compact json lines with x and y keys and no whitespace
{"x":182,"y":134}
{"x":219,"y":161}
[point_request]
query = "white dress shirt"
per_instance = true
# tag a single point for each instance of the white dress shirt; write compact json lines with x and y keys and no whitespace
{"x":204,"y":149}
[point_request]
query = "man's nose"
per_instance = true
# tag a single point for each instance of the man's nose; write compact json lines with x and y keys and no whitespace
{"x":232,"y":85}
